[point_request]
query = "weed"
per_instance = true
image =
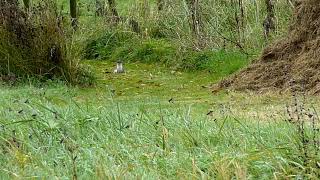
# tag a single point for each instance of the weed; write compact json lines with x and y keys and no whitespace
{"x":306,"y":123}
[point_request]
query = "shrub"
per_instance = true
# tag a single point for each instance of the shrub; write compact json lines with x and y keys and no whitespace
{"x":33,"y":43}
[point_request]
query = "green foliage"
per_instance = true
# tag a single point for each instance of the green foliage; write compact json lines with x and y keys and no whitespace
{"x":33,"y":44}
{"x":166,"y":38}
{"x":130,"y":48}
{"x":125,"y":127}
{"x":225,"y":25}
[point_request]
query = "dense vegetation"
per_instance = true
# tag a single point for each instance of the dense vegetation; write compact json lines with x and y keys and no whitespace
{"x":33,"y":44}
{"x":159,"y":120}
{"x":185,"y":35}
{"x":146,"y":34}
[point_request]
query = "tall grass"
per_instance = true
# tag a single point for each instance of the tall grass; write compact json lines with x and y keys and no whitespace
{"x":33,"y":43}
{"x":224,"y":23}
{"x":46,"y":134}
{"x":226,"y":27}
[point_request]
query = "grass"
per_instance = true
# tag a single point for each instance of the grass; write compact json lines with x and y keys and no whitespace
{"x":143,"y":80}
{"x":128,"y":47}
{"x":165,"y":37}
{"x":34,"y":44}
{"x":154,"y":122}
{"x":125,"y":127}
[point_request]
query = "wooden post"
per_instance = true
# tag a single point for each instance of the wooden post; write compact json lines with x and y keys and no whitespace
{"x":195,"y":21}
{"x":268,"y":23}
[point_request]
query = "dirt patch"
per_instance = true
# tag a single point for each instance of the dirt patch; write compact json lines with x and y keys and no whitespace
{"x":292,"y":63}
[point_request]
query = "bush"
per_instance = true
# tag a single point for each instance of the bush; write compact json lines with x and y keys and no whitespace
{"x":33,"y":43}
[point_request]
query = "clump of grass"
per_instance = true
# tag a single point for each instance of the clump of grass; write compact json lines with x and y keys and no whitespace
{"x":219,"y":62}
{"x":130,"y":47}
{"x":148,"y":51}
{"x":104,"y":46}
{"x":32,"y":43}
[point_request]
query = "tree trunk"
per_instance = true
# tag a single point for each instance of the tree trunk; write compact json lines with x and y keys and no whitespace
{"x":73,"y":14}
{"x":268,"y":23}
{"x":239,"y":19}
{"x":241,"y":13}
{"x":195,"y":19}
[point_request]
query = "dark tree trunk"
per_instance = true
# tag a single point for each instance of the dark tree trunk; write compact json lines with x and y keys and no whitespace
{"x":73,"y":14}
{"x":238,"y":9}
{"x":195,"y":18}
{"x":134,"y":25}
{"x":242,"y":19}
{"x":268,"y":23}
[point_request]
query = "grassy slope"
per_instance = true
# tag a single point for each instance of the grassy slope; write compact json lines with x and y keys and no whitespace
{"x":125,"y":127}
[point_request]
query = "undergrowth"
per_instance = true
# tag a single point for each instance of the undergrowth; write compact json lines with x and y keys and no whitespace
{"x":33,"y":43}
{"x":129,"y":47}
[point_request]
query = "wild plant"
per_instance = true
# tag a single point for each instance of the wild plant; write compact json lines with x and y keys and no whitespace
{"x":306,"y":123}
